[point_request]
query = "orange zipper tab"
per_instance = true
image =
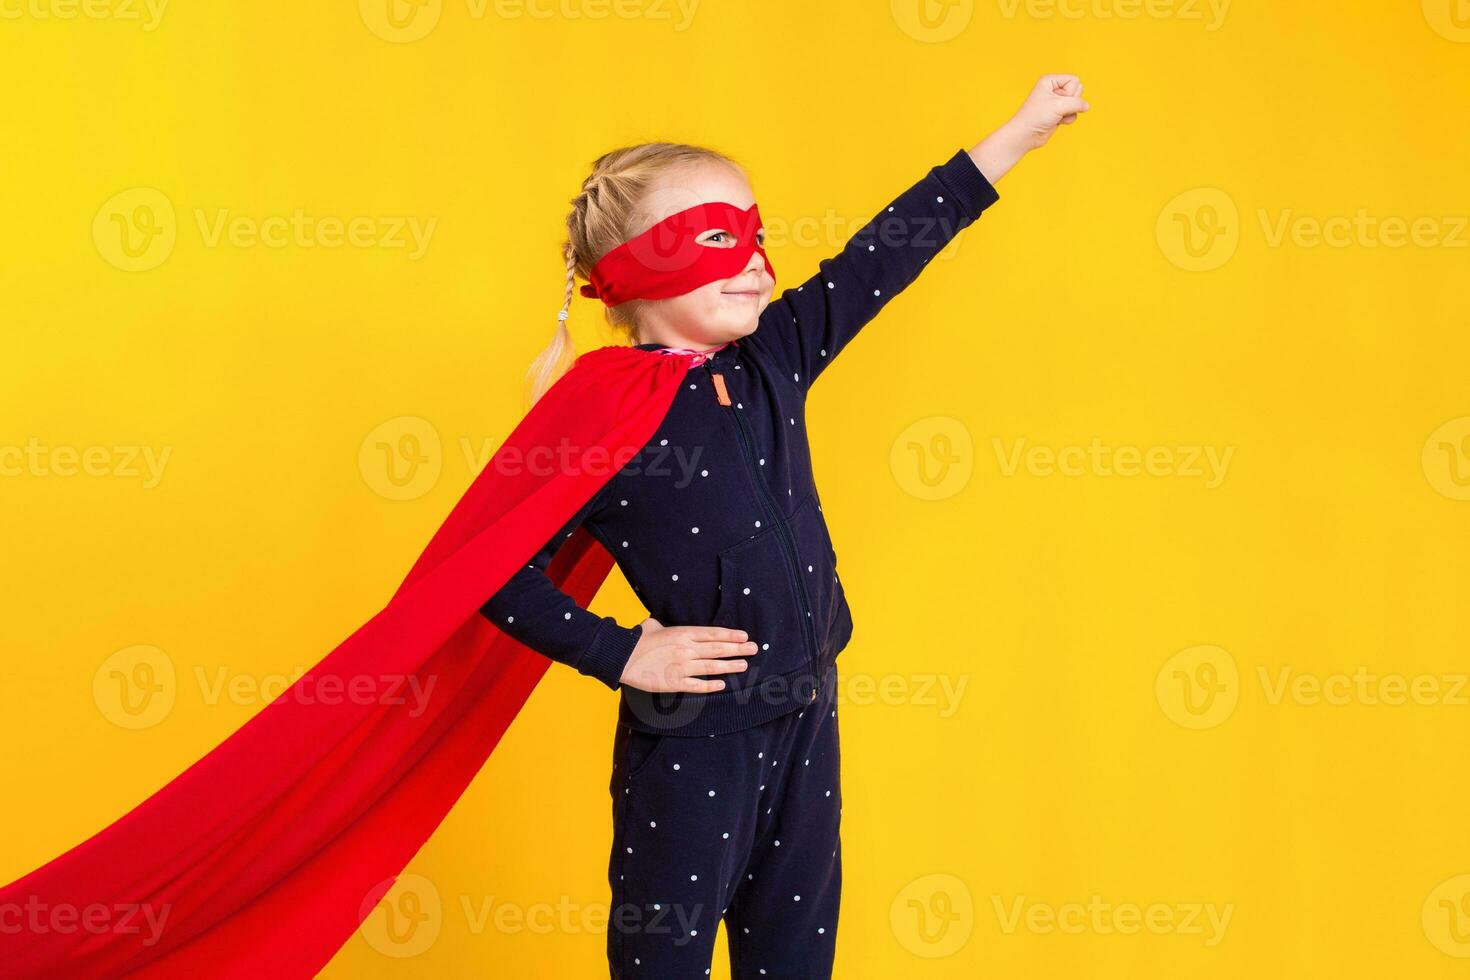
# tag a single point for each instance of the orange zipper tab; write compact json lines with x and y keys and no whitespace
{"x":720,"y":392}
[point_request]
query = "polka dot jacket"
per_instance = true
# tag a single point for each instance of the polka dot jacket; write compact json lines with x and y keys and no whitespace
{"x":717,"y":520}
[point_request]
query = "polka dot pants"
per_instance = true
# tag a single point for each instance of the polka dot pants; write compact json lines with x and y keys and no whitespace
{"x":741,"y":827}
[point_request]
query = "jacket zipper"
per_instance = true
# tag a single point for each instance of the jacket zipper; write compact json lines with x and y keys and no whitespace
{"x":792,"y":565}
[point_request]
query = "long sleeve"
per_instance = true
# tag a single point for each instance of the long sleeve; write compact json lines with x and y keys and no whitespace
{"x":530,"y":608}
{"x":808,"y":325}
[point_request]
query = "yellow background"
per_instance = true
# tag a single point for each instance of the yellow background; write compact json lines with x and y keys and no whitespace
{"x":1068,"y":610}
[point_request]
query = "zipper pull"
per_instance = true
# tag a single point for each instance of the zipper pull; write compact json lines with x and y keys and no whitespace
{"x":720,"y":392}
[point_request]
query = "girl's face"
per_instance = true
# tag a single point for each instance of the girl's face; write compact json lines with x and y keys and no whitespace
{"x":719,"y":311}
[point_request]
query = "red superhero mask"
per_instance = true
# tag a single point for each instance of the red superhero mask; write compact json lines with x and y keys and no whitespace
{"x":668,"y":260}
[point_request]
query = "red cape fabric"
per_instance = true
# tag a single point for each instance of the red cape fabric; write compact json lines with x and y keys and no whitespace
{"x":269,"y":851}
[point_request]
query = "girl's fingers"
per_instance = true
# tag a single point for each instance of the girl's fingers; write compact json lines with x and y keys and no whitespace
{"x":717,"y":666}
{"x":671,"y":677}
{"x":694,"y":685}
{"x":1065,"y":84}
{"x":723,"y":649}
{"x":1069,"y":105}
{"x":718,"y":633}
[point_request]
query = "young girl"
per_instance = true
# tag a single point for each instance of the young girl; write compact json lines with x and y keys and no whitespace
{"x":725,"y":782}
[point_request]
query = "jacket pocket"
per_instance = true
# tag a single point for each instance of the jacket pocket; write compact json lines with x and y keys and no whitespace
{"x":758,"y":595}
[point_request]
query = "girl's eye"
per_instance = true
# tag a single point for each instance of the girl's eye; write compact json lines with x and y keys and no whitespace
{"x":721,"y":237}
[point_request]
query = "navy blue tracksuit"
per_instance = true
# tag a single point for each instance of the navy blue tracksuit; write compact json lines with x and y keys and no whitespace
{"x":740,"y":827}
{"x":717,"y":521}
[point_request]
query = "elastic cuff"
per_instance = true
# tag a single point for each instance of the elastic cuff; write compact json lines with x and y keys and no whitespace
{"x":971,"y":188}
{"x":607,"y":655}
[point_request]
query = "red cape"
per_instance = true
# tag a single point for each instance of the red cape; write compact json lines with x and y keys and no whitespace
{"x":267,"y":852}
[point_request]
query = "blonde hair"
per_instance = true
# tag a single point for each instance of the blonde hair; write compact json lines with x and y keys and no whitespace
{"x":603,"y":216}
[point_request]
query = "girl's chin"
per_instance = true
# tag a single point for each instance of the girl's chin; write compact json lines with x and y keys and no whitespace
{"x":741,"y":309}
{"x":742,"y":322}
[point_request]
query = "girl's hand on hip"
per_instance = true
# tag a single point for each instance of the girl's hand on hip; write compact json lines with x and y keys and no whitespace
{"x":674,"y":658}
